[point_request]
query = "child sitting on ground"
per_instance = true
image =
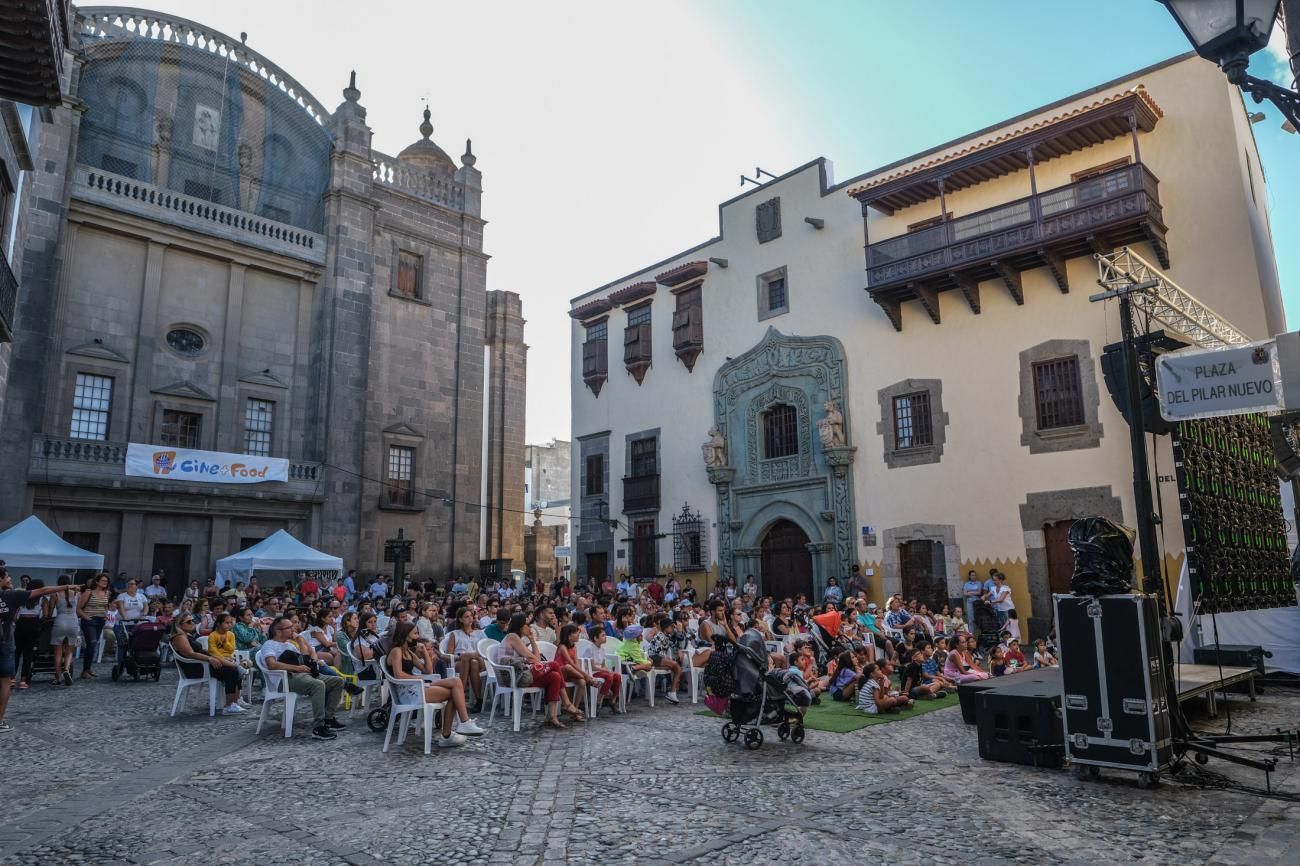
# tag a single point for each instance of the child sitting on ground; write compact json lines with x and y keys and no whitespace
{"x":874,"y":696}
{"x":997,"y":662}
{"x":847,"y":678}
{"x":1043,"y":658}
{"x":913,"y":684}
{"x":930,"y":669}
{"x":806,"y":664}
{"x":1015,"y":658}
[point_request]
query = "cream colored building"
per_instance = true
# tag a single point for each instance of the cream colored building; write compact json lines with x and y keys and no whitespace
{"x":965,"y":362}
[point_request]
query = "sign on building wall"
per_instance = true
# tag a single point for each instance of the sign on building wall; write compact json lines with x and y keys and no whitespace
{"x":215,"y":467}
{"x":1210,"y":383}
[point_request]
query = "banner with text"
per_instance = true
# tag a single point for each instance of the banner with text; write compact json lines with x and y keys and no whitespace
{"x":1214,"y":382}
{"x":214,"y":467}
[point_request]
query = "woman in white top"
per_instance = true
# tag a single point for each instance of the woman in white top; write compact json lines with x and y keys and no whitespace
{"x":463,"y":642}
{"x":130,"y":607}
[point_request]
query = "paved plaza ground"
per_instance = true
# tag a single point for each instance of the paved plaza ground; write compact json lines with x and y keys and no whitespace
{"x":99,"y":774}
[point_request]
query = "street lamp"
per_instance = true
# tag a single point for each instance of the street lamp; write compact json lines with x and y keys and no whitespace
{"x":1227,"y":32}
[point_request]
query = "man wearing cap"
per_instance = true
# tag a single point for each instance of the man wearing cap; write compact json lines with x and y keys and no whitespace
{"x":155,"y":589}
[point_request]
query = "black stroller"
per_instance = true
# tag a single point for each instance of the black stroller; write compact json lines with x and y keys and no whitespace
{"x":143,"y":657}
{"x":763,"y":697}
{"x":987,"y":627}
{"x":825,"y":645}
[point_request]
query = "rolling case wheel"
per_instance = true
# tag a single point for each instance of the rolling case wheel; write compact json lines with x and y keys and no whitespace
{"x":730,"y":732}
{"x":753,"y":739}
{"x":796,"y":736}
{"x":783,"y":731}
{"x":1148,"y":780}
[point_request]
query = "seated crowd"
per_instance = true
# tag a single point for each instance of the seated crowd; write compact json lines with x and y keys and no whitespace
{"x":327,"y":636}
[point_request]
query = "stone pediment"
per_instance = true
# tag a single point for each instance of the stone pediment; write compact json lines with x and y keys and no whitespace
{"x":403,"y":430}
{"x":264,"y":377}
{"x":187,"y":390}
{"x":96,"y":349}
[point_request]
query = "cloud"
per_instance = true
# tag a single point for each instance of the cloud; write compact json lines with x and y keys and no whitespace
{"x":1276,"y":65}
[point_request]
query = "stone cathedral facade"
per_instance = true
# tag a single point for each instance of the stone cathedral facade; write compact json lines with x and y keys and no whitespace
{"x":226,"y":264}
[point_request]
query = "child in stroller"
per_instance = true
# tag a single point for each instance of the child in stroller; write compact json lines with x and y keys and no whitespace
{"x":761,"y":696}
{"x":143,"y":657}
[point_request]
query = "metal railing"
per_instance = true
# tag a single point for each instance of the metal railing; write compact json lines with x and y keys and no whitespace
{"x":98,"y":452}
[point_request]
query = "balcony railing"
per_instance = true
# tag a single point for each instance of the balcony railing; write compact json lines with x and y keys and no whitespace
{"x":1117,"y":199}
{"x":8,"y":301}
{"x":58,"y":460}
{"x":641,"y":493}
{"x":164,"y":205}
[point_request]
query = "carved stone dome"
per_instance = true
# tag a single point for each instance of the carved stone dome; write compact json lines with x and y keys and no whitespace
{"x":425,"y":154}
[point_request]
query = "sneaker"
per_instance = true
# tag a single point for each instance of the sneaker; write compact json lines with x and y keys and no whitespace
{"x":245,"y":704}
{"x":233,"y":710}
{"x":672,"y":697}
{"x":470,"y":729}
{"x":451,"y":741}
{"x":941,"y":694}
{"x":334,"y":724}
{"x":353,"y":689}
{"x":5,"y":727}
{"x":322,"y":732}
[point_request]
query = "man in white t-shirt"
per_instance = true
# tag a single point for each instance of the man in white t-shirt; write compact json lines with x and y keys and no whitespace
{"x":323,"y":690}
{"x":131,"y":606}
{"x":1000,"y":598}
{"x":155,"y":589}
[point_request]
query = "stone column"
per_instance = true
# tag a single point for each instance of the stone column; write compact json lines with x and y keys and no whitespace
{"x":840,"y":460}
{"x":721,"y":478}
{"x":504,"y":449}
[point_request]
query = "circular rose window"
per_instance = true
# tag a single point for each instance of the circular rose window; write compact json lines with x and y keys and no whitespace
{"x":186,"y":341}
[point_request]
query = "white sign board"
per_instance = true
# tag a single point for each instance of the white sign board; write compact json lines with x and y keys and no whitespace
{"x":1198,"y":383}
{"x":563,"y":552}
{"x":214,"y":467}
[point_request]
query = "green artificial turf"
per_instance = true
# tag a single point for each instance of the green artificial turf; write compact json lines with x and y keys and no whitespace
{"x":841,"y":717}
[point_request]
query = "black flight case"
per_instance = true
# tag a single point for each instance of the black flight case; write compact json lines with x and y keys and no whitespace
{"x":1113,"y":685}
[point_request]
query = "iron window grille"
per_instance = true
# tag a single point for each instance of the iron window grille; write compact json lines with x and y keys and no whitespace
{"x":690,"y":541}
{"x":1058,"y":393}
{"x":776,"y":295}
{"x":912,"y":427}
{"x":92,"y":399}
{"x":180,"y":429}
{"x":780,"y":432}
{"x":259,"y":421}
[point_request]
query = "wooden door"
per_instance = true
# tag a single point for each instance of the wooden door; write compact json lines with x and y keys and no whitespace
{"x":173,"y":560}
{"x":597,"y":568}
{"x":922,"y":567}
{"x":645,"y":560}
{"x":786,"y":565}
{"x":1060,"y":559}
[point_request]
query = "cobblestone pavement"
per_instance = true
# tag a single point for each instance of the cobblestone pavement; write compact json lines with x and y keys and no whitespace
{"x":99,"y":774}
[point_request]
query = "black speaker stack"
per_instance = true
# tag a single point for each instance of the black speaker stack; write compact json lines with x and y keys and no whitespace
{"x":1233,"y":527}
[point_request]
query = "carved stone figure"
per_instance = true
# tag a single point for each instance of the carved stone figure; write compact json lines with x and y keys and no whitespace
{"x":831,"y":427}
{"x":715,"y":449}
{"x":245,"y":157}
{"x":164,"y":130}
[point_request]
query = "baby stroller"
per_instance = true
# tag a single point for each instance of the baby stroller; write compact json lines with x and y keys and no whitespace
{"x":826,"y":642}
{"x":143,"y":657}
{"x":987,"y":627}
{"x":763,"y":697}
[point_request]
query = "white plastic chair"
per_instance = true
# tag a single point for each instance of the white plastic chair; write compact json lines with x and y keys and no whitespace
{"x":185,"y":683}
{"x":587,"y":657}
{"x":246,"y":673}
{"x":614,"y":663}
{"x":511,"y":694}
{"x":650,"y":677}
{"x":693,"y":673}
{"x":489,"y":681}
{"x":99,"y":647}
{"x":547,"y":650}
{"x":276,"y":689}
{"x":408,"y":701}
{"x":202,"y":642}
{"x":358,"y":667}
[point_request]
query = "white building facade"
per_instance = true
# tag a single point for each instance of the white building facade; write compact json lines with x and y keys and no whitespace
{"x":947,"y":409}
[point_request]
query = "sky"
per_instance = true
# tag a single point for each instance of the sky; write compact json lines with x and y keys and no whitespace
{"x":608,"y":132}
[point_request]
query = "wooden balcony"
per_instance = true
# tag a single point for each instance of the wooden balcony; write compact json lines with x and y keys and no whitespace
{"x":595,"y":364}
{"x":688,"y":335}
{"x":1096,"y":214}
{"x":641,"y":493}
{"x":637,"y":355}
{"x":33,"y":37}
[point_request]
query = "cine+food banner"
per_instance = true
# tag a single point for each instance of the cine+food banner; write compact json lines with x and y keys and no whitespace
{"x":214,"y":467}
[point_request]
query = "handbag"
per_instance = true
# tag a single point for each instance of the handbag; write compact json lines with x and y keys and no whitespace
{"x":523,"y":673}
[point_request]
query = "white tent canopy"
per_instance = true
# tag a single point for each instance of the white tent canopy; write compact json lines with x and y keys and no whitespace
{"x":31,"y":544}
{"x":280,"y":552}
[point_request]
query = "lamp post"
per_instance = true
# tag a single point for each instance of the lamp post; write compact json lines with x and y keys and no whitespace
{"x":1227,"y":32}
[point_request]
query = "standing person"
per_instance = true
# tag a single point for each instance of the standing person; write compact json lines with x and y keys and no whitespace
{"x":27,"y":631}
{"x":155,"y":589}
{"x":10,"y":601}
{"x":971,"y":591}
{"x":857,"y":582}
{"x":130,"y":606}
{"x":1000,"y":598}
{"x":751,"y":588}
{"x":66,"y":633}
{"x":833,"y":592}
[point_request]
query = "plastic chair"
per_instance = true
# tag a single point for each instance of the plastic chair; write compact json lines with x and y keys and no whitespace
{"x":507,"y":691}
{"x":408,"y":701}
{"x":489,"y":681}
{"x":276,"y":689}
{"x":186,"y":683}
{"x":587,"y":657}
{"x":358,"y":667}
{"x":246,"y":673}
{"x":547,"y":650}
{"x":614,"y":663}
{"x":693,"y":673}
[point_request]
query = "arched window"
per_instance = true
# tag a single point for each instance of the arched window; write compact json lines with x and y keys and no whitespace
{"x":780,"y":432}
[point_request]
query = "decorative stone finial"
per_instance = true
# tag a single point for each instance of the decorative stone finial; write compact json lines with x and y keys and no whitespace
{"x":350,"y":93}
{"x":426,"y":128}
{"x":468,"y":157}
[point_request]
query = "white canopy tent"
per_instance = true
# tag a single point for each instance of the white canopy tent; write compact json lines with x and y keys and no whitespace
{"x":280,"y":552}
{"x":32,"y":545}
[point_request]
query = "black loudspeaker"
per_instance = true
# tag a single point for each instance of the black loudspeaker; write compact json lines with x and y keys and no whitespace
{"x":1115,"y":699}
{"x":966,"y":692}
{"x":1112,"y":369}
{"x":1021,"y":724}
{"x":1232,"y":655}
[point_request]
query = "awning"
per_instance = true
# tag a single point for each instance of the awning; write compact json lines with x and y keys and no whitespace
{"x":32,"y":544}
